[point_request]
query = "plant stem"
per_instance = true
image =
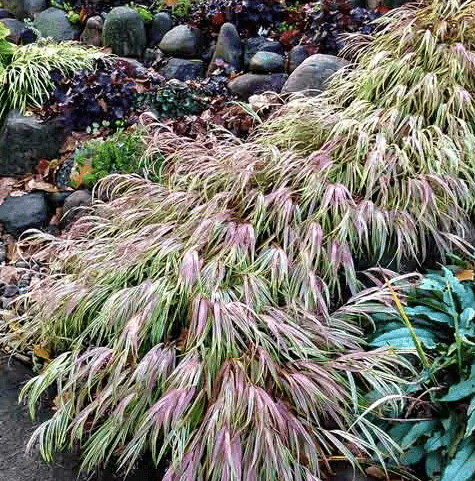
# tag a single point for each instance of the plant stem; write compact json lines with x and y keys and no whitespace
{"x":412,"y":332}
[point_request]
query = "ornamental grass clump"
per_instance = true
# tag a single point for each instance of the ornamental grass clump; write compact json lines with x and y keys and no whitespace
{"x":203,"y":319}
{"x":180,"y":332}
{"x":26,"y":76}
{"x":391,"y":141}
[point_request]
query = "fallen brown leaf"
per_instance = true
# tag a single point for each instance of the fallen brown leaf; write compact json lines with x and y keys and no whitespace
{"x":78,"y":173}
{"x":40,"y":351}
{"x":465,"y":275}
{"x":6,"y":186}
{"x":40,"y":185}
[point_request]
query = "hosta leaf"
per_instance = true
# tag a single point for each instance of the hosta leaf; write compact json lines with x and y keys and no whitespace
{"x":416,"y":431}
{"x":430,"y":313}
{"x":463,"y":292}
{"x":467,"y":326}
{"x":436,"y":441}
{"x":471,"y":418}
{"x":402,"y":339}
{"x":413,"y":456}
{"x":462,"y":389}
{"x":433,"y":282}
{"x":399,"y":431}
{"x":462,"y":467}
{"x":433,"y":464}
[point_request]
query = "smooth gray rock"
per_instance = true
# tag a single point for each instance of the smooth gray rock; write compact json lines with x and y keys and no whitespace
{"x":54,"y":23}
{"x":260,"y":44}
{"x":250,"y":83}
{"x":92,"y":33}
{"x":124,"y":32}
{"x":29,"y":211}
{"x":181,"y":41}
{"x":136,"y":67}
{"x":267,"y":62}
{"x":228,"y":49}
{"x":161,"y":24}
{"x":26,"y":140}
{"x":33,"y":8}
{"x":297,"y":55}
{"x":313,"y":73}
{"x":152,"y":55}
{"x":72,"y":206}
{"x":182,"y":69}
{"x":19,"y":33}
{"x":15,"y":8}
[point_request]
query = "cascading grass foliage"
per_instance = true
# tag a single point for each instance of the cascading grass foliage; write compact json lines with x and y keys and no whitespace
{"x":391,"y":142}
{"x":25,"y":78}
{"x":199,"y":319}
{"x":181,"y":335}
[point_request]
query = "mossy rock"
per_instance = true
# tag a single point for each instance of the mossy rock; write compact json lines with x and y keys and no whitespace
{"x":54,"y":23}
{"x":124,"y":32}
{"x":228,"y":48}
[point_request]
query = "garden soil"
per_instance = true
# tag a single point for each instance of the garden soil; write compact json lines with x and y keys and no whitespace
{"x":16,"y":428}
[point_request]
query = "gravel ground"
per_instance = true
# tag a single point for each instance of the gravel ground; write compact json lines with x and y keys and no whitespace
{"x":15,"y":429}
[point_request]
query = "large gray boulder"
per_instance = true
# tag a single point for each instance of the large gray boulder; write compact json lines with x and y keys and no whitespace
{"x":54,"y":23}
{"x":19,"y":33}
{"x":29,"y":211}
{"x":161,"y":24}
{"x":250,"y":83}
{"x":313,"y":73}
{"x":182,"y":41}
{"x":22,"y":9}
{"x":124,"y":32}
{"x":297,"y":55}
{"x":33,"y":8}
{"x":182,"y":69}
{"x":26,"y":140}
{"x":260,"y":44}
{"x":267,"y":62}
{"x":92,"y":33}
{"x":228,"y":49}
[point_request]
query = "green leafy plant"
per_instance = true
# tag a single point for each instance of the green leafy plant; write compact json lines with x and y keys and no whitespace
{"x":179,"y":8}
{"x":175,"y":99}
{"x":284,"y":27}
{"x":441,"y":310}
{"x":120,"y":153}
{"x":144,"y":12}
{"x":72,"y":16}
{"x":7,"y":49}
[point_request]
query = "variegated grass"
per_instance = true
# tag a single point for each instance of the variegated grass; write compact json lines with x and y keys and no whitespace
{"x":26,"y":79}
{"x":204,"y":319}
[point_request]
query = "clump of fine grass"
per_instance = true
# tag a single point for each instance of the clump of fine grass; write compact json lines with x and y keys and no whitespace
{"x":26,"y":79}
{"x":395,"y":132}
{"x":178,"y":337}
{"x":202,"y":319}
